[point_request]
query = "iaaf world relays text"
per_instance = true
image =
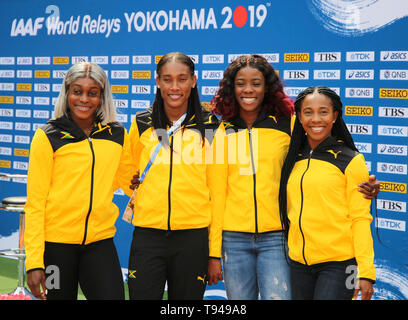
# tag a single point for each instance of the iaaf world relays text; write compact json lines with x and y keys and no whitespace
{"x":160,"y":20}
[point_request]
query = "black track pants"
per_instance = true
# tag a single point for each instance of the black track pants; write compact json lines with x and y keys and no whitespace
{"x":178,"y":257}
{"x":94,"y":266}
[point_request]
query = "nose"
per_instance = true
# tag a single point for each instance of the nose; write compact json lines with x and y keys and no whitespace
{"x":248,"y":88}
{"x":84,"y":98}
{"x":315,"y":117}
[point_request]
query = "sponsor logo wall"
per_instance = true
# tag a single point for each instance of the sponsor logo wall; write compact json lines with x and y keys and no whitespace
{"x":368,"y":68}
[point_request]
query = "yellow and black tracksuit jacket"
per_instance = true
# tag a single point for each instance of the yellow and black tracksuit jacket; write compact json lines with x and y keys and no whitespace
{"x":184,"y":184}
{"x":329,"y":218}
{"x":70,"y":185}
{"x":255,"y":159}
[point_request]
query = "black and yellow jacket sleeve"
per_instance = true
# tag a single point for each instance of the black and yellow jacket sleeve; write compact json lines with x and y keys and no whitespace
{"x":70,"y":185}
{"x":329,"y":218}
{"x":255,"y":158}
{"x":185,"y":185}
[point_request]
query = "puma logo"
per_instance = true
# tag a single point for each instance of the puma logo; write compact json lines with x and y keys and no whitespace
{"x":334,"y":153}
{"x":201,"y":279}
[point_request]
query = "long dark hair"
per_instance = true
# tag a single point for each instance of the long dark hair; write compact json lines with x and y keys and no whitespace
{"x":159,"y":117}
{"x":275,"y":100}
{"x":299,"y":139}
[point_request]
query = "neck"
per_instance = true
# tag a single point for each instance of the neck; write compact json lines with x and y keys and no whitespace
{"x":248,"y":117}
{"x":173,"y":114}
{"x":85,"y":125}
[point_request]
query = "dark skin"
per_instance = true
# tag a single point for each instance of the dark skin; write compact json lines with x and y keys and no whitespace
{"x":369,"y":189}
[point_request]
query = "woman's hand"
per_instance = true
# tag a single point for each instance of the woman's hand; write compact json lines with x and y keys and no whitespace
{"x":366,"y":287}
{"x":36,"y":280}
{"x":214,"y":271}
{"x":135,"y":182}
{"x":370,"y":188}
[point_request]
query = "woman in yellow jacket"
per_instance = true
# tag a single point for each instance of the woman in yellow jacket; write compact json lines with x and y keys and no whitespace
{"x":176,"y":203}
{"x":76,"y":162}
{"x":326,"y":219}
{"x":258,"y":121}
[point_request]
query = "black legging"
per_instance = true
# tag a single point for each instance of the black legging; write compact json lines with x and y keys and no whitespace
{"x":94,"y":266}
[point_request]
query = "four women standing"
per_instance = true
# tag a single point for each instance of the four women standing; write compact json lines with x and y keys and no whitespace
{"x":187,"y":198}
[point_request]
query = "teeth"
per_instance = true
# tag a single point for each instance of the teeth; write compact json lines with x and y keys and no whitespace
{"x":248,"y":100}
{"x":82,"y":108}
{"x":317,"y":129}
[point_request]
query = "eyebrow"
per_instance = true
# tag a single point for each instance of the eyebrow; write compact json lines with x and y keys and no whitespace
{"x":78,"y":85}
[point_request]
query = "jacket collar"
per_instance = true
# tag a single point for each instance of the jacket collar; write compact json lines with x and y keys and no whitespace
{"x":65,"y":123}
{"x":239,"y":122}
{"x":329,"y":143}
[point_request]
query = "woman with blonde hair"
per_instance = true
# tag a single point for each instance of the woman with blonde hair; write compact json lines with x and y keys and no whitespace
{"x":76,"y":162}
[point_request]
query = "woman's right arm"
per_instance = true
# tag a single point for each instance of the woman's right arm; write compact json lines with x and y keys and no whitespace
{"x":38,"y":184}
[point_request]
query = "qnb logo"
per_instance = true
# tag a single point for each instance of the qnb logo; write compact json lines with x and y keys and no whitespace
{"x":197,"y":19}
{"x":359,"y":92}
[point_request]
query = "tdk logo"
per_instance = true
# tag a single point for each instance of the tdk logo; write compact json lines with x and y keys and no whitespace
{"x":326,"y":74}
{"x":390,"y":224}
{"x":392,"y":131}
{"x":363,"y":147}
{"x":360,"y":56}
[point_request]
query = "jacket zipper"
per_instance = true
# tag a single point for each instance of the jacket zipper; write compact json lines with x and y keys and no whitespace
{"x":301,"y":207}
{"x":170,"y":178}
{"x":254,"y":178}
{"x":91,"y":196}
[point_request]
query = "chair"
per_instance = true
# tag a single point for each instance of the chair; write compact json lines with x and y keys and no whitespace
{"x":16,"y":204}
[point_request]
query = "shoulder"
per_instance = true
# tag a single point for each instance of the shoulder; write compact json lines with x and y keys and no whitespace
{"x":143,"y":120}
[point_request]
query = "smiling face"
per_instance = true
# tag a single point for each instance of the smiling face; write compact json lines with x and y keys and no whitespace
{"x":317,"y":117}
{"x":84,"y":96}
{"x":249,"y":89}
{"x":175,"y":82}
